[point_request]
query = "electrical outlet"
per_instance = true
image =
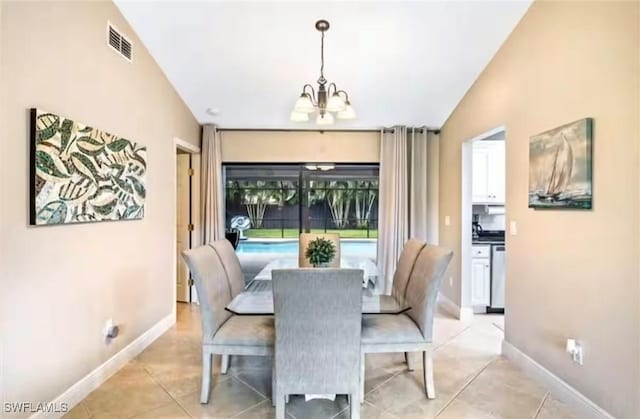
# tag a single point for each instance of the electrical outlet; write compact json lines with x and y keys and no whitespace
{"x":108,"y":326}
{"x":574,"y":348}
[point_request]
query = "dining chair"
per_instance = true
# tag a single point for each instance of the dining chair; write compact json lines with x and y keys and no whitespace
{"x":305,"y":239}
{"x":235,"y":276}
{"x":222,"y":332}
{"x":318,"y":320}
{"x":411,"y":331}
{"x":404,"y":267}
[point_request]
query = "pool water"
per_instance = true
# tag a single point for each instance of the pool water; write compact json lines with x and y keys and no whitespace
{"x":361,"y":248}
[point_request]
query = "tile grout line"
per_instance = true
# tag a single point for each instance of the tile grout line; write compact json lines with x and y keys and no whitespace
{"x":544,"y":399}
{"x":249,"y":408}
{"x":255,"y":391}
{"x":441,"y":345}
{"x":393,"y":416}
{"x":467,"y":384}
{"x":393,"y":375}
{"x":452,"y":338}
{"x":266,"y":398}
{"x":166,"y":391}
{"x":233,"y":375}
{"x":340,"y":412}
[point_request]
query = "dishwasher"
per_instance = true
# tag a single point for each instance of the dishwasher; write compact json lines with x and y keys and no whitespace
{"x":497,"y":279}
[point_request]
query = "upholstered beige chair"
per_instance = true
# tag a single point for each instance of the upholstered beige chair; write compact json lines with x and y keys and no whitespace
{"x":318,"y":320}
{"x":412,"y":331}
{"x":222,"y":332}
{"x":233,"y":270}
{"x":305,"y":238}
{"x":231,"y":265}
{"x":405,"y":265}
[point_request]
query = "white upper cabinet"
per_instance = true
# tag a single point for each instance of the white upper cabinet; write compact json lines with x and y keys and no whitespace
{"x":488,"y":172}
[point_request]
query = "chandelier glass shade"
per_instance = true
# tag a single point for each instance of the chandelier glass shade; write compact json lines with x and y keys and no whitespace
{"x":328,"y":99}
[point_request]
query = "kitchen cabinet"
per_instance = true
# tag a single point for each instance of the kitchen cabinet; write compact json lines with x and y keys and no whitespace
{"x":481,"y":276}
{"x":488,"y":183}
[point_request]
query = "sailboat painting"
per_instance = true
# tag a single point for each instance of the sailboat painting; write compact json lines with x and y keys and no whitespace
{"x":560,"y":167}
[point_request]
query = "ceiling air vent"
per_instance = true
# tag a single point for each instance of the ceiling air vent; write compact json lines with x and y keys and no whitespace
{"x":118,"y":42}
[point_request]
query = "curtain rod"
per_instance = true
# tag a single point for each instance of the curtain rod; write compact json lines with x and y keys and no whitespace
{"x":386,"y":130}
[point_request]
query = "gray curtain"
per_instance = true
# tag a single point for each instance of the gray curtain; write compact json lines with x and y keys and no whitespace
{"x":403,"y":195}
{"x":211,"y":193}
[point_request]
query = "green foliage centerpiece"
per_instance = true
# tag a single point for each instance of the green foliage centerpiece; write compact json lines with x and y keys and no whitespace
{"x":320,"y":252}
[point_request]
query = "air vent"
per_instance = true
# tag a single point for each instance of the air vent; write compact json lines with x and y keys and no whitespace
{"x":119,"y":43}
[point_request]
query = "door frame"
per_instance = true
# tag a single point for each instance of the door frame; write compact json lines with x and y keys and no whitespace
{"x":192,"y":150}
{"x":466,"y":308}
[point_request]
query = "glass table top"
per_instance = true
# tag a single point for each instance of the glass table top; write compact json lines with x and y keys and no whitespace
{"x":257,"y":299}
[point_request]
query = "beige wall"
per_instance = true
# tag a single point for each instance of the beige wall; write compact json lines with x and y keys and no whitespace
{"x":60,"y":283}
{"x":569,"y":273}
{"x":300,"y":146}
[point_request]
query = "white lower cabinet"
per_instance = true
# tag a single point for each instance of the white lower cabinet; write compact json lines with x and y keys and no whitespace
{"x":481,"y":277}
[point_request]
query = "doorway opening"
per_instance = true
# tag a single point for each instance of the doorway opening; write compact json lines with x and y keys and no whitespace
{"x":483,"y":224}
{"x":187,"y":185}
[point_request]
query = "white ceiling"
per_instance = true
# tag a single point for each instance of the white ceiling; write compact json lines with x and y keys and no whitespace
{"x":401,"y":62}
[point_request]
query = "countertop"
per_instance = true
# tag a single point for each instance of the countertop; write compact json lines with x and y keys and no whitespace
{"x":486,"y":242}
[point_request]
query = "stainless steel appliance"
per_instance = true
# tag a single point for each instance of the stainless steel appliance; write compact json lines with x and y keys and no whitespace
{"x":497,"y":279}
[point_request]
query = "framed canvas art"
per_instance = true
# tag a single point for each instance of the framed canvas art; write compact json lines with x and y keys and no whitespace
{"x":82,"y":174}
{"x":560,"y":167}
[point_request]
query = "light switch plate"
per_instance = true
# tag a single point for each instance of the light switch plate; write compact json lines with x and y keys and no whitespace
{"x":513,"y":228}
{"x":447,"y":220}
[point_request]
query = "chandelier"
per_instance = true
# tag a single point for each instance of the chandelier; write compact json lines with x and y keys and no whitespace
{"x":328,"y":99}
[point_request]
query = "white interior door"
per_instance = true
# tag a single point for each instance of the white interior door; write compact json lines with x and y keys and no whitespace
{"x":182,"y":226}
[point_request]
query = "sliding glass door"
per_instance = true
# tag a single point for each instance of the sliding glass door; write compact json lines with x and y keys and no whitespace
{"x":343,"y":199}
{"x":280,"y":201}
{"x":263,"y":201}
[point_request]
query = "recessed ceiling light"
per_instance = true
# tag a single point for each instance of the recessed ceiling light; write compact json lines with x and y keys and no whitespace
{"x":213,"y":111}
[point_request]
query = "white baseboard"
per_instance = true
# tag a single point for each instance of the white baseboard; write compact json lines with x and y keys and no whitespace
{"x":78,"y":391}
{"x":464,"y":314}
{"x":559,"y":388}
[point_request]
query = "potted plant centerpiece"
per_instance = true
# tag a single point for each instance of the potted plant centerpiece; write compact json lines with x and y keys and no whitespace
{"x":320,"y":252}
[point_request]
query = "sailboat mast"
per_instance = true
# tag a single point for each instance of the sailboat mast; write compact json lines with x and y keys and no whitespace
{"x":553,"y":172}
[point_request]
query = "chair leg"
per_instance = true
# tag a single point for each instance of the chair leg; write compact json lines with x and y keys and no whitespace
{"x":354,"y":405}
{"x":427,"y":364}
{"x":410,"y":358}
{"x":224,"y":365}
{"x":206,"y":377}
{"x":280,"y":406}
{"x":362,"y":379}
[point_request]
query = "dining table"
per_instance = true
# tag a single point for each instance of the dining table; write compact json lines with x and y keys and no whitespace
{"x":369,"y":268}
{"x":257,"y":296}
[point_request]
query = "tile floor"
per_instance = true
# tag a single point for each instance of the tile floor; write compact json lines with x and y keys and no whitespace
{"x":472,"y":382}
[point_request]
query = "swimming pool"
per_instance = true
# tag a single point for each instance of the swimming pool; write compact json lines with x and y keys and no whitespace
{"x":360,"y":248}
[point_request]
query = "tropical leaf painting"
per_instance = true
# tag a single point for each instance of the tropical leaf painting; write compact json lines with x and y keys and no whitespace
{"x":80,"y":174}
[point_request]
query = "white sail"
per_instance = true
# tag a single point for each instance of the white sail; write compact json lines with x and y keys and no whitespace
{"x":562,"y":169}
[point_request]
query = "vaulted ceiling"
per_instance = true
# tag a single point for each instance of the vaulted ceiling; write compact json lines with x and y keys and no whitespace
{"x":401,"y":62}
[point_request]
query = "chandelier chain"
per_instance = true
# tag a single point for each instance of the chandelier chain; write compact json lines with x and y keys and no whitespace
{"x":322,"y":80}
